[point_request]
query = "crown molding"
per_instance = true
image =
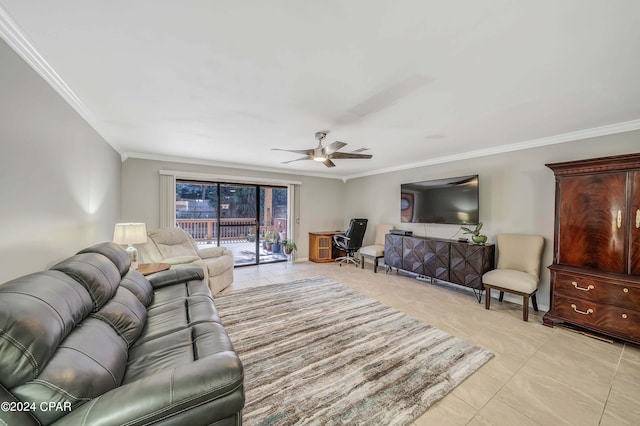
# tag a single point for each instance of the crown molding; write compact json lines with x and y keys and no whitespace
{"x":610,"y":129}
{"x":197,"y":161}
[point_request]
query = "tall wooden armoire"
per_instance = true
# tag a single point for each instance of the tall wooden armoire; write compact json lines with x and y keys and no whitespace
{"x":595,"y":276}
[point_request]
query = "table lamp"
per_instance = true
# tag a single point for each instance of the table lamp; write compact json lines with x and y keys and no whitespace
{"x":129,"y":234}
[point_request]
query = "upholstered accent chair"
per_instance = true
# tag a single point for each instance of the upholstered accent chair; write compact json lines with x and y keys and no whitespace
{"x":376,"y":250}
{"x":518,"y":271}
{"x":177,"y":247}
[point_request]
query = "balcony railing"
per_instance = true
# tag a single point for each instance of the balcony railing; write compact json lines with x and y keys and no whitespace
{"x":206,"y":230}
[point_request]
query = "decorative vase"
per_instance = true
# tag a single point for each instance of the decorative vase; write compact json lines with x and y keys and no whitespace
{"x":479,"y":239}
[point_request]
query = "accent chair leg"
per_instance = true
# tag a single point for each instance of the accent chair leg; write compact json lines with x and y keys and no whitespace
{"x":375,"y":265}
{"x":525,"y":308}
{"x":362,"y":262}
{"x":501,"y":296}
{"x":487,"y":298}
{"x":535,"y":302}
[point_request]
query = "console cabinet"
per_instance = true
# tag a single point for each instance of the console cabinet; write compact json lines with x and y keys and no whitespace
{"x":595,"y":275}
{"x":445,"y":260}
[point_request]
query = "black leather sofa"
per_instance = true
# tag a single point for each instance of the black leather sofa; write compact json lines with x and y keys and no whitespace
{"x":90,"y":342}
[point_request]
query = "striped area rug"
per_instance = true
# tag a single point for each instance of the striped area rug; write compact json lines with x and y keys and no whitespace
{"x":316,"y":352}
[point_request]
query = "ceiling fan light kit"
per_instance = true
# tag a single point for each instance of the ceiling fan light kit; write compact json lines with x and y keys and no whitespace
{"x":327,"y":153}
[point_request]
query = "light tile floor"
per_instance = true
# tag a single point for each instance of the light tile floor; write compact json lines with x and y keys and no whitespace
{"x":539,"y":375}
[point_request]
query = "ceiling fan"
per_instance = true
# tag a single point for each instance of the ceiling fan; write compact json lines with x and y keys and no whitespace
{"x":325,"y":154}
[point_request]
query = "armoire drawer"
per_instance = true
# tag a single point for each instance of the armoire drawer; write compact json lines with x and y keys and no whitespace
{"x":625,"y":295}
{"x":597,"y":316}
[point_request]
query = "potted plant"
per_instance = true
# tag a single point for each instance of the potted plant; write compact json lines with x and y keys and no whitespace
{"x":270,"y":237}
{"x":476,"y":236}
{"x":276,"y":246}
{"x":289,"y":246}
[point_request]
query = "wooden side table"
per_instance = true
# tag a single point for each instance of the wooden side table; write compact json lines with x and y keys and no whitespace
{"x":321,"y":246}
{"x":152,"y":268}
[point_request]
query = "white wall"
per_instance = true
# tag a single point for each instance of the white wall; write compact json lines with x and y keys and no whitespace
{"x":319,"y":202}
{"x":59,"y":180}
{"x":517,"y":192}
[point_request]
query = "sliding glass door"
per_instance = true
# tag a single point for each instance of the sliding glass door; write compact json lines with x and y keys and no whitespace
{"x":250,"y":220}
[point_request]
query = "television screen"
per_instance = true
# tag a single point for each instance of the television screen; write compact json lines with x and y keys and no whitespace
{"x":453,"y":201}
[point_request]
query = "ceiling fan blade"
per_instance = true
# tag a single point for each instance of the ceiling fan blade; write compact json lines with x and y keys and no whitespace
{"x":328,"y":163}
{"x":342,"y":155}
{"x":297,"y":159}
{"x":296,"y":151}
{"x":333,"y":147}
{"x":361,"y":149}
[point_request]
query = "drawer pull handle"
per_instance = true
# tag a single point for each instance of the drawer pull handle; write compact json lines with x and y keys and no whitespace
{"x":638,"y":218}
{"x":587,"y":312}
{"x":625,"y":290}
{"x":589,"y":287}
{"x":624,"y":316}
{"x":619,"y":219}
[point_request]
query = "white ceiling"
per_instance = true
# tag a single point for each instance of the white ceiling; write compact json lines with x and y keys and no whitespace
{"x":417,"y":82}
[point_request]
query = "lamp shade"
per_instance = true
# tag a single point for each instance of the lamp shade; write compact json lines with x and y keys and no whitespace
{"x":130,"y":233}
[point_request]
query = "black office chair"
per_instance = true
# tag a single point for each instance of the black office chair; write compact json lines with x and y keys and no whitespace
{"x":351,"y":241}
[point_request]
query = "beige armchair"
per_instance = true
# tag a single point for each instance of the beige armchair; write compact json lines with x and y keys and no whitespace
{"x":176,"y":247}
{"x":518,"y":271}
{"x":376,"y":251}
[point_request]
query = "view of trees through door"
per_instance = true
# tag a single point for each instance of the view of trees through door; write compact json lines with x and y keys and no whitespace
{"x":250,"y":220}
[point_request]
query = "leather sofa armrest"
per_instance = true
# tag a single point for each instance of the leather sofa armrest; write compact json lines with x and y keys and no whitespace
{"x":175,"y":276}
{"x":214,"y":381}
{"x":209,"y":252}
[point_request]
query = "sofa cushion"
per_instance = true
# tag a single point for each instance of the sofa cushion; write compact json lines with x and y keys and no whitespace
{"x":177,"y":314}
{"x":95,"y":272}
{"x":180,"y":291}
{"x":125,"y":314}
{"x":37,"y":312}
{"x":181,"y":260}
{"x":114,"y":253}
{"x":88,"y":363}
{"x":170,"y":351}
{"x":173,"y":243}
{"x":216,"y":266}
{"x":137,"y":284}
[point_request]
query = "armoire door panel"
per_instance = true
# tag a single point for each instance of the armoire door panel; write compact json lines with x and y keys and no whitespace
{"x":592,"y":224}
{"x":634,"y":252}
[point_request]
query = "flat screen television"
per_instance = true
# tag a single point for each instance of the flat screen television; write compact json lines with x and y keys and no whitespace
{"x":452,"y":201}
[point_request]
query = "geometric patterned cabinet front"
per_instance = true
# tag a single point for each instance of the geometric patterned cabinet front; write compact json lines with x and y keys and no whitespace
{"x":393,"y":251}
{"x":445,"y":260}
{"x":469,"y":262}
{"x":595,"y":275}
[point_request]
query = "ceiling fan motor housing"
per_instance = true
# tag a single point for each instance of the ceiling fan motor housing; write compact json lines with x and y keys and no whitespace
{"x":321,"y":135}
{"x":318,"y":154}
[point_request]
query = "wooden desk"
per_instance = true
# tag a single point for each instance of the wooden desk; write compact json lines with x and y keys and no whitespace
{"x":321,"y":246}
{"x":152,"y":268}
